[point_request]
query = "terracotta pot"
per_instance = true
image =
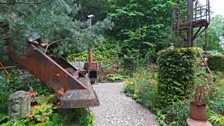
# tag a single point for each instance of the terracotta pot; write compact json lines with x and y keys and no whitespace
{"x":198,"y":111}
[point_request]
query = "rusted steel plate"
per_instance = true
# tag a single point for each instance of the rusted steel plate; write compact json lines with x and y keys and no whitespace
{"x":80,"y":98}
{"x":90,"y":66}
{"x":47,"y":70}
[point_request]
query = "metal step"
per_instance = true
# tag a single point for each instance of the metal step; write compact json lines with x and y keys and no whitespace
{"x":80,"y":98}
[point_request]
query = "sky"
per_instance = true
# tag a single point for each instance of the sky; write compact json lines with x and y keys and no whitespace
{"x":217,"y":6}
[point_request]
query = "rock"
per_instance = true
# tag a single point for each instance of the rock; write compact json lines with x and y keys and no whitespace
{"x":19,"y":105}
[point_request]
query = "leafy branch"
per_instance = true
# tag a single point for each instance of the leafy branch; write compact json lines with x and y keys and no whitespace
{"x":20,"y":2}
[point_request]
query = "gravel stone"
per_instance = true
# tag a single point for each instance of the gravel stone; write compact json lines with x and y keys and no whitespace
{"x":116,"y":109}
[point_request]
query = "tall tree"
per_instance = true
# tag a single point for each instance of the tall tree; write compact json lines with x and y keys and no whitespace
{"x":212,"y":37}
{"x":54,"y":20}
{"x":143,"y":26}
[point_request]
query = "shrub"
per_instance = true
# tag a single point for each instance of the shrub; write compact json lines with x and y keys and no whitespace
{"x":216,"y":62}
{"x":216,"y":101}
{"x":129,"y":90}
{"x":142,"y":87}
{"x":115,"y":77}
{"x":216,"y":119}
{"x":177,"y":113}
{"x":148,"y":97}
{"x":175,"y":75}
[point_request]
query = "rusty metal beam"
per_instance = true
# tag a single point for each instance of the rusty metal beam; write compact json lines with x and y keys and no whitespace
{"x":47,"y":70}
{"x":90,"y":54}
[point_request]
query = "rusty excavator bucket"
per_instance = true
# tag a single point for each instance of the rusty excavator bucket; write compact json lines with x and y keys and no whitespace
{"x":57,"y":73}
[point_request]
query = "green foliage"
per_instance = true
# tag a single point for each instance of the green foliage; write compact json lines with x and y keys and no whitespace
{"x":54,"y":21}
{"x":141,"y":25}
{"x":177,"y":113}
{"x":216,"y":62}
{"x":216,"y":102}
{"x":41,"y":114}
{"x":5,"y":92}
{"x":86,"y":119}
{"x":129,"y":89}
{"x":105,"y":52}
{"x":3,"y":117}
{"x":161,"y":118}
{"x":96,"y":7}
{"x":216,"y":119}
{"x":44,"y":110}
{"x":129,"y":63}
{"x":22,"y":80}
{"x":176,"y":75}
{"x":148,"y":97}
{"x":115,"y":77}
{"x":142,"y":87}
{"x":80,"y":114}
{"x":214,"y":32}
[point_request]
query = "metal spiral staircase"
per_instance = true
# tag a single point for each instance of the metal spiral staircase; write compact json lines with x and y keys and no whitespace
{"x":190,"y":22}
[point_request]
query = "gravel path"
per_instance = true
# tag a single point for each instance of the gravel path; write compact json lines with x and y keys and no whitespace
{"x":116,"y":109}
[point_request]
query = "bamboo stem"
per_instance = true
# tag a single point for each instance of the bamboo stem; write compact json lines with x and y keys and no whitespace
{"x":5,"y":71}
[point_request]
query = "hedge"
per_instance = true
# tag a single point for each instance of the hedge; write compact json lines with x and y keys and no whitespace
{"x":175,"y":75}
{"x":216,"y":62}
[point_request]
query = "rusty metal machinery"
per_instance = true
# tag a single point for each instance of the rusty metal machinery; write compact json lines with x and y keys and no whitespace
{"x":91,"y":67}
{"x":75,"y":88}
{"x":189,"y":25}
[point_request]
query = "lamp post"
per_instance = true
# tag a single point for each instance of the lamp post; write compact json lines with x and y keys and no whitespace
{"x":89,"y":21}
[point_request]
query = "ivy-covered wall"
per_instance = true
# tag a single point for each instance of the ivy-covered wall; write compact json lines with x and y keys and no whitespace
{"x":216,"y":62}
{"x":176,"y":75}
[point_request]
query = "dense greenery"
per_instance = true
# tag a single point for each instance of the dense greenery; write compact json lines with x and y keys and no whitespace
{"x":54,"y":21}
{"x":142,"y":86}
{"x":176,"y":75}
{"x":45,"y":109}
{"x":216,"y":62}
{"x":216,"y":104}
{"x":141,"y":26}
{"x":101,"y":53}
{"x":210,"y":40}
{"x":131,"y":29}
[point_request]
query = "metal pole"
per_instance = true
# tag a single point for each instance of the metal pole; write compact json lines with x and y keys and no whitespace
{"x":190,"y":21}
{"x":90,"y":53}
{"x":208,"y":6}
